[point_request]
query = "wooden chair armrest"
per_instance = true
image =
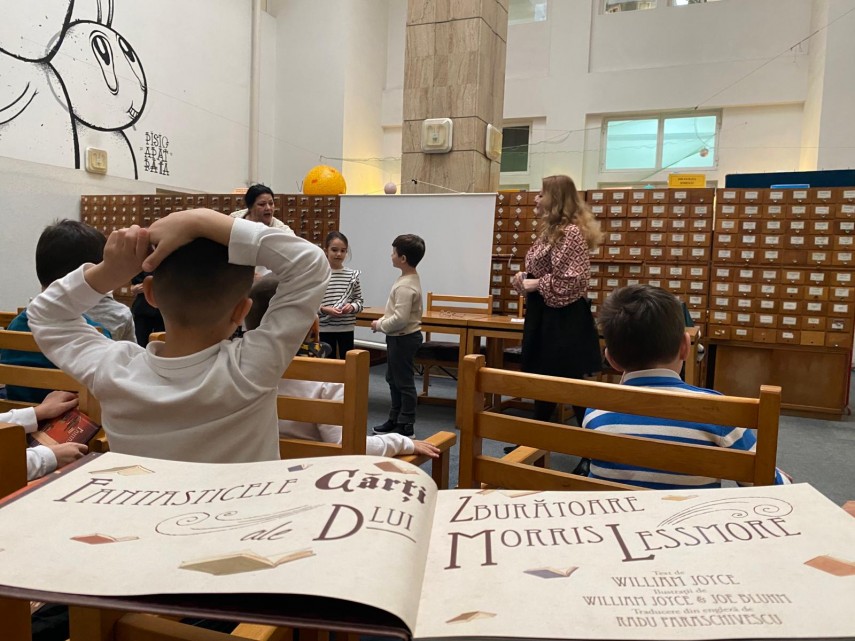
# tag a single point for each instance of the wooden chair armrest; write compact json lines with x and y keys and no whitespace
{"x":439,"y":466}
{"x":99,"y":443}
{"x":528,"y":456}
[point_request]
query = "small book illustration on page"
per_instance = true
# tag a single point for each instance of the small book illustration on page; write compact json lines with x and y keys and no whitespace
{"x":298,"y":468}
{"x":552,"y":573}
{"x":98,"y":539}
{"x":245,"y":561}
{"x":514,"y":494}
{"x":832,"y":565}
{"x":125,"y":470}
{"x":391,"y":466}
{"x":474,"y":615}
{"x":679,"y":497}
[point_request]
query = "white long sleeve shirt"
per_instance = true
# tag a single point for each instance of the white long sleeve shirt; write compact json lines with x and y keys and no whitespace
{"x":40,"y":459}
{"x":375,"y":445}
{"x":215,"y":406}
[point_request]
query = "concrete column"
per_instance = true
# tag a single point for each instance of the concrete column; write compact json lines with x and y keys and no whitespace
{"x":454,"y":68}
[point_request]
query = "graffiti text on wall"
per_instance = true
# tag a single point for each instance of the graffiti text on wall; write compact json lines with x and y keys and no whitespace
{"x":156,"y":156}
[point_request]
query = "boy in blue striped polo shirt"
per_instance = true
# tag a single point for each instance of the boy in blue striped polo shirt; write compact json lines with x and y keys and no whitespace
{"x":645,"y":338}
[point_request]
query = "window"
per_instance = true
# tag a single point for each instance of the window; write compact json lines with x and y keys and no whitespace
{"x":515,"y":148}
{"x":661,"y":142}
{"x":614,"y":6}
{"x":522,"y":11}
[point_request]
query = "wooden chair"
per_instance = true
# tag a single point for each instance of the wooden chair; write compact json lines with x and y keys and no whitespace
{"x":6,"y":318}
{"x":445,"y":355}
{"x":476,"y":424}
{"x":39,"y":377}
{"x":351,"y":413}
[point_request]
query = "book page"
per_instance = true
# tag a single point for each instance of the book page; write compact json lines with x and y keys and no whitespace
{"x":742,"y":563}
{"x":340,"y":526}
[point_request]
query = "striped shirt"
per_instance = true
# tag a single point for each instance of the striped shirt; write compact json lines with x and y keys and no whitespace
{"x":738,"y":438}
{"x":343,"y":288}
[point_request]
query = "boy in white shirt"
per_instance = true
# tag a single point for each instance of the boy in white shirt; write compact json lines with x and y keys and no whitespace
{"x":401,"y":322}
{"x":198,"y":396}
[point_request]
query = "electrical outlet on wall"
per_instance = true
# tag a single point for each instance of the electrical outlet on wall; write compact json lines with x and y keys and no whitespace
{"x":96,"y":160}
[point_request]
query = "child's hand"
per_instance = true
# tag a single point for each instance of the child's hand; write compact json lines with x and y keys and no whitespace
{"x":66,"y":453}
{"x":375,"y":325}
{"x":423,"y":448}
{"x":347,"y":308}
{"x":123,"y":256}
{"x":329,"y":310}
{"x":55,"y":404}
{"x":180,"y":227}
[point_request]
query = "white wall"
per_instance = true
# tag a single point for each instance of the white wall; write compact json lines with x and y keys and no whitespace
{"x":311,"y":68}
{"x":33,"y":196}
{"x":195,"y":59}
{"x":365,"y":78}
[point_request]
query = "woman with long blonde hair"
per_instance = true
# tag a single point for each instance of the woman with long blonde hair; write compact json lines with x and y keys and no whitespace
{"x":559,"y":336}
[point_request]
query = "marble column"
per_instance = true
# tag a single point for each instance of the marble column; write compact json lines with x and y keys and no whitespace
{"x":454,"y":68}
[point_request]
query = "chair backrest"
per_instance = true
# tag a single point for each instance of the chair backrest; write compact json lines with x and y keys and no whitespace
{"x":456,"y":304}
{"x":6,"y":318}
{"x":39,"y":377}
{"x":351,"y":412}
{"x":477,"y":423}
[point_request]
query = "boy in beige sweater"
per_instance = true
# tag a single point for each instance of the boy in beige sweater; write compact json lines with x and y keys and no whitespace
{"x":401,"y":322}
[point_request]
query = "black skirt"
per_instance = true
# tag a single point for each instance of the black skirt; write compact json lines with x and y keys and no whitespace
{"x":560,"y":341}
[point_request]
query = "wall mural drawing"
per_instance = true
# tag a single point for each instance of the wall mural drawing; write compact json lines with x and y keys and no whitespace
{"x":68,"y":80}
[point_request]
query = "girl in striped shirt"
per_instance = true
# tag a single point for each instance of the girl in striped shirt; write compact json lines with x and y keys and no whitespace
{"x":343,"y":300}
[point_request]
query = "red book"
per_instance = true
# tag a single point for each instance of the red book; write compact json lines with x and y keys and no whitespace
{"x":72,"y":427}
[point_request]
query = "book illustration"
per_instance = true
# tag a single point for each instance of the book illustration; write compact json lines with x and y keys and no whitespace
{"x":391,"y":466}
{"x":552,"y":573}
{"x":298,"y":468}
{"x":515,"y":494}
{"x":832,"y":565}
{"x":485,"y":491}
{"x":72,"y":427}
{"x":474,"y":615}
{"x":679,"y":497}
{"x":125,"y":470}
{"x":240,"y":562}
{"x":98,"y":539}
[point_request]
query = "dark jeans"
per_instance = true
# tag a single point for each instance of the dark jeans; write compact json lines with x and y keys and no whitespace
{"x":341,"y":343}
{"x":400,"y":354}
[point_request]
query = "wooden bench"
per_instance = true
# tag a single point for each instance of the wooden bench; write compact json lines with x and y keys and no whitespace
{"x":477,"y":423}
{"x":351,"y":413}
{"x":40,"y":377}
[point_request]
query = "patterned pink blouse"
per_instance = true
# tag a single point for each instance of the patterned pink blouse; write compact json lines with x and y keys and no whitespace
{"x":563,"y":269}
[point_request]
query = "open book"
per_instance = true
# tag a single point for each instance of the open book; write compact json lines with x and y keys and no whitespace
{"x":742,"y":563}
{"x":71,"y":427}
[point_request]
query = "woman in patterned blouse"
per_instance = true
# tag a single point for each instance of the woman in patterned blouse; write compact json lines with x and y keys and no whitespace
{"x":559,"y":337}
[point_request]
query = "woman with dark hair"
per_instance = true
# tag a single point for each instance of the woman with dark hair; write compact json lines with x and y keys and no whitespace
{"x":260,"y":207}
{"x":559,"y":336}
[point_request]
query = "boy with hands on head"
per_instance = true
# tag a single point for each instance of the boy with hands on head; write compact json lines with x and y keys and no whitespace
{"x":197,"y":396}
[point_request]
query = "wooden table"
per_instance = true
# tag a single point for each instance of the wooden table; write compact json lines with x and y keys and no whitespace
{"x":471,"y":328}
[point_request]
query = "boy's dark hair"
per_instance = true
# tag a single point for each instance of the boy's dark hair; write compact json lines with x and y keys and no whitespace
{"x":196,"y":286}
{"x":410,"y":246}
{"x":65,"y":246}
{"x":254,"y":192}
{"x":260,"y":294}
{"x":335,"y":235}
{"x":643,"y":326}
